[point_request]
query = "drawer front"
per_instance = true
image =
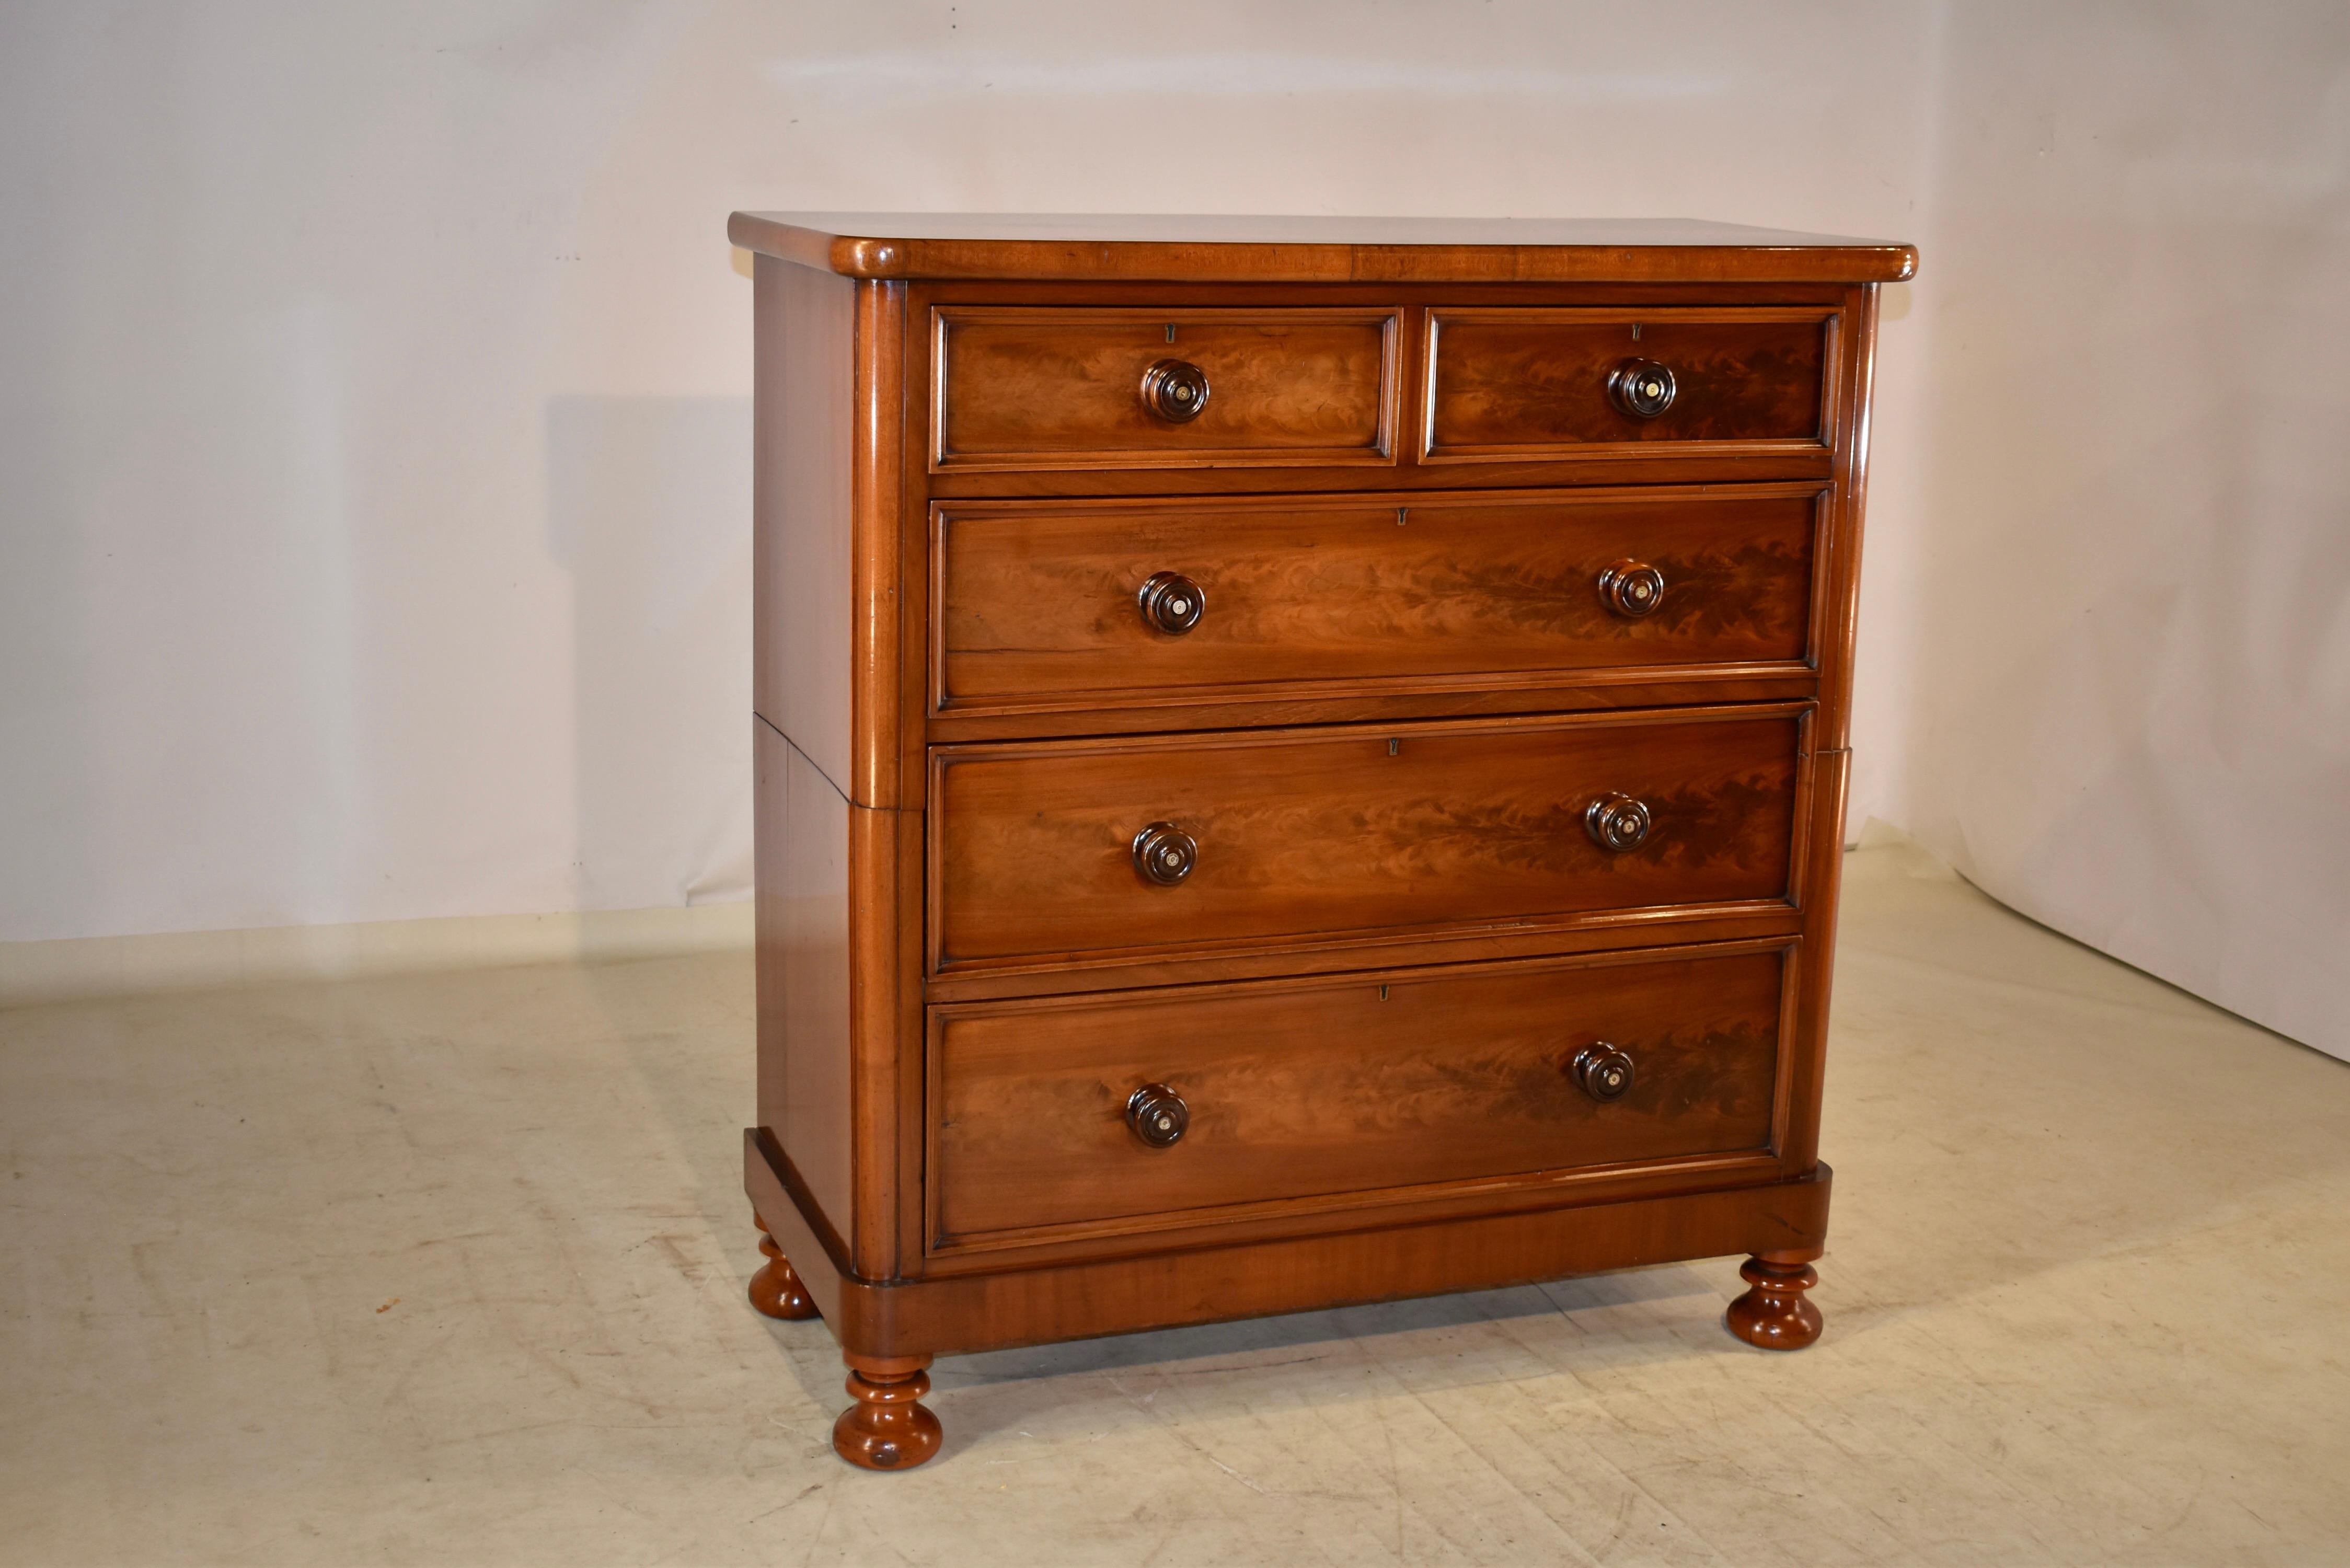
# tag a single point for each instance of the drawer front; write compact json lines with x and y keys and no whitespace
{"x":1019,"y":387}
{"x":1299,"y":1094}
{"x":1535,"y":383}
{"x":1047,"y":605}
{"x":1037,"y":849}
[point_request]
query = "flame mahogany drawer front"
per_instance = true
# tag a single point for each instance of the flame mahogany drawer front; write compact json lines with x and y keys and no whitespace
{"x":1042,"y":852}
{"x":1299,"y":763}
{"x":1530,"y":383}
{"x":1173,"y":387}
{"x":1065,"y":605}
{"x":1387,"y":1087}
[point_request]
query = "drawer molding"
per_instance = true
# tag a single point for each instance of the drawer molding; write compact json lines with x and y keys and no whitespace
{"x":1382,"y":1205}
{"x":982,"y":879}
{"x":1311,"y":571}
{"x":1817,"y":432}
{"x":1077,"y":372}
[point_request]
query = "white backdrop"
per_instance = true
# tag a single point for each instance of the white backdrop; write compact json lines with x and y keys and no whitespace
{"x":2123,"y":630}
{"x":374,"y":428}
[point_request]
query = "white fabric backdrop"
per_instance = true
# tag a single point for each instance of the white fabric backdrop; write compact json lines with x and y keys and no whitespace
{"x":2126,"y":596}
{"x":374,"y":440}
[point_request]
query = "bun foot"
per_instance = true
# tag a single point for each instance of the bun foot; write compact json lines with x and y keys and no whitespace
{"x":888,"y":1428}
{"x":1775,"y":1313}
{"x":774,"y":1289}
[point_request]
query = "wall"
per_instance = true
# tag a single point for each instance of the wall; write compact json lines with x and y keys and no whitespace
{"x":2128,"y":631}
{"x":373,"y":465}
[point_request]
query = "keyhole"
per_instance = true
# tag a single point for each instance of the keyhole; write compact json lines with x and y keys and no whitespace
{"x":1171,"y":332}
{"x":1636,"y":333}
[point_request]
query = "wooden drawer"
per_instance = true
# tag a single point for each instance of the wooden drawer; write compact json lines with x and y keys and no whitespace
{"x":1531,"y":383}
{"x":1040,"y":605}
{"x":1353,"y":831}
{"x":1019,"y":387}
{"x":1385,"y":1087}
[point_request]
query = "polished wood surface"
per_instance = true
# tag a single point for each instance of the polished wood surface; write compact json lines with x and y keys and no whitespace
{"x":800,"y":834}
{"x":1427,"y":590}
{"x":1035,"y":604}
{"x":1298,"y":1090}
{"x":1305,"y":833}
{"x":1636,"y":462}
{"x":775,"y":1291}
{"x":1167,"y":1287}
{"x":1312,"y":250}
{"x":1519,"y":382}
{"x":1775,"y":1313}
{"x":1024,"y":388}
{"x":889,"y":1428}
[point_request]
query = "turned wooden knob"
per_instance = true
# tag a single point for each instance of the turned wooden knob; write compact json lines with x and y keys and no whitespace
{"x":1165,"y":854}
{"x":1170,"y":602}
{"x":1603,"y":1071}
{"x":1157,"y":1115}
{"x":1642,"y":387}
{"x":1175,"y":390}
{"x":1632,"y":589}
{"x":1616,"y":822}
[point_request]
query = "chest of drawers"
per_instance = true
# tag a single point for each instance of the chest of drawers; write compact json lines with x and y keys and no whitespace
{"x":1299,"y":763}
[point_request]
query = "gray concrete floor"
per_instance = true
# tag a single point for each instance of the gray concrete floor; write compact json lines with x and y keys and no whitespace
{"x":449,"y":1270}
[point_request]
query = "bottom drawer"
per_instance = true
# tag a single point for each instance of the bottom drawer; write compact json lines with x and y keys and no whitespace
{"x":1284,"y":1095}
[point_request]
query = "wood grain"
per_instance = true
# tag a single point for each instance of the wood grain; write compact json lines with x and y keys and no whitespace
{"x":1523,"y":382}
{"x":1035,"y":605}
{"x":1775,"y":1313}
{"x":803,"y":373}
{"x":1372,"y":734}
{"x":801,"y":833}
{"x":1324,"y":250}
{"x":1021,"y":387}
{"x":1300,"y":1090}
{"x":1352,"y":830}
{"x":1172,"y":1286}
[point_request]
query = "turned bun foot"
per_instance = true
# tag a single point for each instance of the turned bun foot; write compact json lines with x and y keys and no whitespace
{"x":1775,"y":1313}
{"x":774,"y":1289}
{"x":889,"y":1428}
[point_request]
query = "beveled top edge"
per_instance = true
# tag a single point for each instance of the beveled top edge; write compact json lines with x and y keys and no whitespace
{"x":1236,"y":249}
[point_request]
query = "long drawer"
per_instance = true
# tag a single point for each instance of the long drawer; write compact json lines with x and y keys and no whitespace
{"x":1074,"y":603}
{"x":1057,"y":1118}
{"x":1048,"y":852}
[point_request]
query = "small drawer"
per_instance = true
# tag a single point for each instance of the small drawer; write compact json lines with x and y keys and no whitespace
{"x":1047,"y":854}
{"x":1518,"y":384}
{"x":1026,"y":388}
{"x":1051,"y":1120}
{"x":1047,"y":605}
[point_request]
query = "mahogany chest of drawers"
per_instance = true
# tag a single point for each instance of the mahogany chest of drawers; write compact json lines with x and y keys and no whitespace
{"x":1299,"y":763}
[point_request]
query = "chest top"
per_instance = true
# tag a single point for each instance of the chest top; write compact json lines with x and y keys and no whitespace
{"x":1239,"y":249}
